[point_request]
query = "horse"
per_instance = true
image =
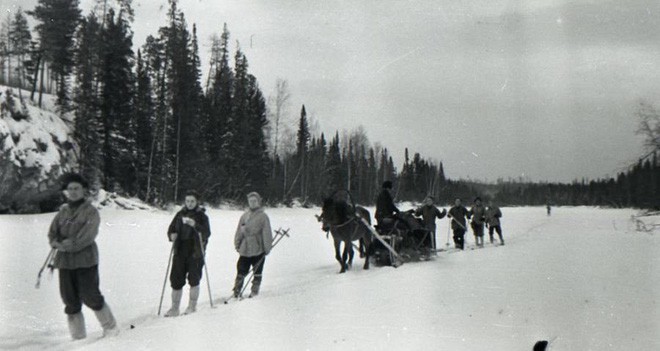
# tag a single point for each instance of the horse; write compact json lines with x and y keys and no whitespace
{"x":345,"y":224}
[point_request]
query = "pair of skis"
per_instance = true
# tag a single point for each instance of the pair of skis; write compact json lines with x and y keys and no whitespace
{"x":48,"y":263}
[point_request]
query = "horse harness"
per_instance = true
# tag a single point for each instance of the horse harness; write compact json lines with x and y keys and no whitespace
{"x":345,"y":224}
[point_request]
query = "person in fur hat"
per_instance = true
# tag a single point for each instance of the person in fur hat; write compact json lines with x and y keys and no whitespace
{"x":73,"y":234}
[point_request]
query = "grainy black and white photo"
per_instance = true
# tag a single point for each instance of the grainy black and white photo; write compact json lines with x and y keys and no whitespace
{"x":329,"y":175}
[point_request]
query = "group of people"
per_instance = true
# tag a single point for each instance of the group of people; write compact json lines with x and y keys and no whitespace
{"x":480,"y":216}
{"x":74,"y":229}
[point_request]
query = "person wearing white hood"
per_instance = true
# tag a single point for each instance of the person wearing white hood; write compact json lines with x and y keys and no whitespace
{"x":253,"y":241}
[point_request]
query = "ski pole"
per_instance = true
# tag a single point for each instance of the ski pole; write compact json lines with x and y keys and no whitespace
{"x":279,"y":234}
{"x":428,"y":232}
{"x":50,"y":256}
{"x":169,"y":262}
{"x":459,"y":223}
{"x":206,"y":269}
{"x":433,"y":242}
{"x":448,"y":233}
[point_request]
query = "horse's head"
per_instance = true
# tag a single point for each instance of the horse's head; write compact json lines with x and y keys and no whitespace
{"x":328,"y":214}
{"x":334,"y":212}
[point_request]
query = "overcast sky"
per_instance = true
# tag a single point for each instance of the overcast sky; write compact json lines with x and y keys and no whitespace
{"x":542,"y":89}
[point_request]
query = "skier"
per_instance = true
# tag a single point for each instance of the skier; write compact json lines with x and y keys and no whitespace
{"x":493,"y":215}
{"x":478,"y":212}
{"x":188,"y":226}
{"x":72,"y":233}
{"x":385,"y":208}
{"x":253,"y":241}
{"x":429,"y":213}
{"x":458,"y":213}
{"x":547,"y":207}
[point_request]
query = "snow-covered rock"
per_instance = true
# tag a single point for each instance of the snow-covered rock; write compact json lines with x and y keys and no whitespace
{"x":104,"y":199}
{"x":36,"y":147}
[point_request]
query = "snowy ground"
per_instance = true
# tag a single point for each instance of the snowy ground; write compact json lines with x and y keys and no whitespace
{"x":581,"y":277}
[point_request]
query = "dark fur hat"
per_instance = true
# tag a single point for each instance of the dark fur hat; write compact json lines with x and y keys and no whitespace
{"x":387,"y":184}
{"x":191,"y":193}
{"x":69,"y":178}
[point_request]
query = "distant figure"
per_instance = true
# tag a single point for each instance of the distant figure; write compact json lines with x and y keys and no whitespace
{"x":429,"y":213}
{"x":73,"y":234}
{"x":547,"y":206}
{"x":385,"y":208}
{"x":478,"y":214}
{"x":190,"y":232}
{"x":493,"y":215}
{"x":458,"y":213}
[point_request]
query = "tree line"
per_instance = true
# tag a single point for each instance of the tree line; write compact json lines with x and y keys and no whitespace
{"x":318,"y":166}
{"x":637,"y":187}
{"x":146,"y":126}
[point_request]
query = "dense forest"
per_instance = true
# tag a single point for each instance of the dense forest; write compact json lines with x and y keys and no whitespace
{"x":147,"y":125}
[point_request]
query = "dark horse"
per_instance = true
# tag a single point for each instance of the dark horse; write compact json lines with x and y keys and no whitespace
{"x":345,"y":224}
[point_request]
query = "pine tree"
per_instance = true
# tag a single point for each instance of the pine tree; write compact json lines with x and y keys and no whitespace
{"x":234,"y":139}
{"x":7,"y":50}
{"x":58,"y":22}
{"x":317,"y":175}
{"x":362,"y":174}
{"x":20,"y":38}
{"x":145,"y":122}
{"x":117,"y":91}
{"x":194,"y":151}
{"x":406,"y":182}
{"x":161,"y":162}
{"x":218,"y":110}
{"x":372,"y":178}
{"x":256,"y":149}
{"x":178,"y":108}
{"x":333,"y":167}
{"x":87,"y":131}
{"x":32,"y":65}
{"x":302,"y":148}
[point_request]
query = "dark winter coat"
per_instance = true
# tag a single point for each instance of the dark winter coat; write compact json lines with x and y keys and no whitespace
{"x":478,"y":213}
{"x":429,"y":214}
{"x":253,"y":234}
{"x":73,"y":232}
{"x":385,"y":205}
{"x":458,"y":213}
{"x":187,"y":241}
{"x":493,"y":215}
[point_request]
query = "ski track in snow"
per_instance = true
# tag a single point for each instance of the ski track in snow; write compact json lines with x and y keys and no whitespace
{"x":571,"y":278}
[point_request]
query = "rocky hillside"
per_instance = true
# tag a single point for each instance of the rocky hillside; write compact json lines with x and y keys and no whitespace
{"x":36,"y":147}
